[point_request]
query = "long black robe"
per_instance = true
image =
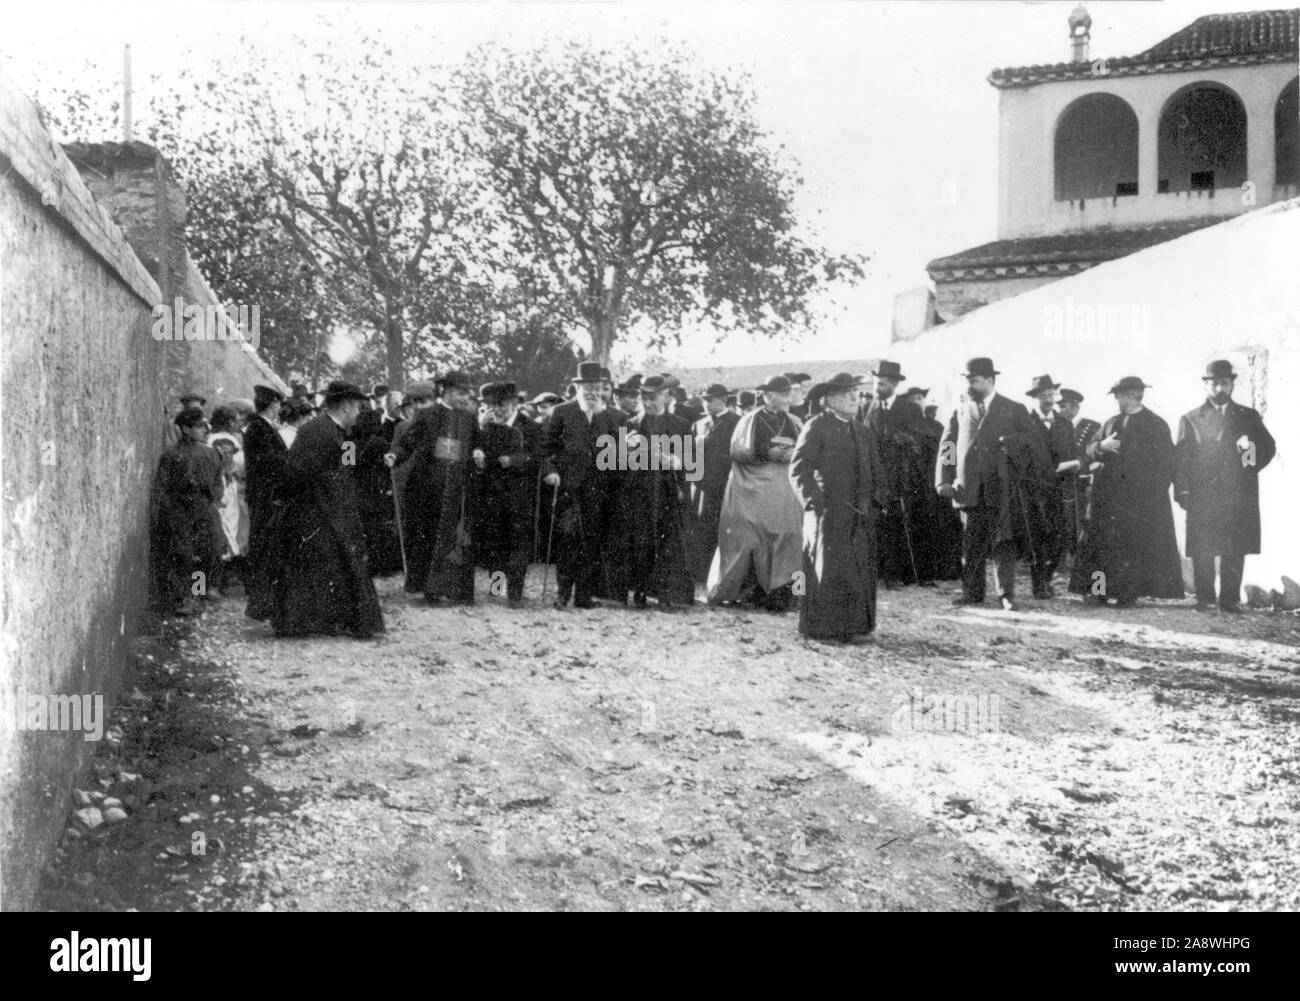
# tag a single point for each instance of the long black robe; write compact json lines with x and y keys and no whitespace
{"x":837,"y":475}
{"x":185,"y":534}
{"x":437,"y":506}
{"x":899,"y":434}
{"x":648,"y":536}
{"x":1130,"y":538}
{"x":266,"y":462}
{"x":504,"y":509}
{"x":937,"y":532}
{"x":324,"y":583}
{"x":374,"y":436}
{"x":1217,"y":484}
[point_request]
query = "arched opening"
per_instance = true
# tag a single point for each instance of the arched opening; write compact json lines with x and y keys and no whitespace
{"x":1096,"y":149}
{"x":1201,"y":144}
{"x":1286,"y":133}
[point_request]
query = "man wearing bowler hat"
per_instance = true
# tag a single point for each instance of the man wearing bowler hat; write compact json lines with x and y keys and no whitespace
{"x":1058,"y":436}
{"x":571,"y":442}
{"x":1129,"y":549}
{"x":898,"y":427}
{"x":990,"y":460}
{"x":1222,"y":448}
{"x":324,"y":584}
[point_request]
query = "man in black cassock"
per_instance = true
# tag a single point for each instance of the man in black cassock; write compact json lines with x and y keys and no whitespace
{"x":897,"y":425}
{"x":509,"y":442}
{"x":648,"y":532}
{"x":577,"y":432}
{"x":714,"y":432}
{"x":839,"y":481}
{"x":1129,"y":549}
{"x":437,"y":506}
{"x":991,"y":460}
{"x":374,"y":438}
{"x":1056,"y":532}
{"x":1222,"y":448}
{"x":186,"y":529}
{"x":266,"y":459}
{"x":324,"y":584}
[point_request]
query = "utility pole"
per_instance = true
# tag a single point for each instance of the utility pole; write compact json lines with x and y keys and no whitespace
{"x":126,"y":94}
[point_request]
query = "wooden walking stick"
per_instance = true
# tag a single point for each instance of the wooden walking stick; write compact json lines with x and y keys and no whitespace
{"x":397,"y":510}
{"x":550,"y":534}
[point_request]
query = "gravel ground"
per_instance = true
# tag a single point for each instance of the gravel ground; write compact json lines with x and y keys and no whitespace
{"x":1061,"y":757}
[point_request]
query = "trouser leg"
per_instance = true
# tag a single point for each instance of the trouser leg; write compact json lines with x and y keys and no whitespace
{"x":1004,"y":569}
{"x":1203,"y":579}
{"x":975,"y":550}
{"x":1230,"y":571}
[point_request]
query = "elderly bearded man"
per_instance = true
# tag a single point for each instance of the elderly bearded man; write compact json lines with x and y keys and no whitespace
{"x":838,"y":478}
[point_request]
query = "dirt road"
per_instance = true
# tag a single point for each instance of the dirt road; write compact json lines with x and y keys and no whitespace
{"x":1058,"y":757}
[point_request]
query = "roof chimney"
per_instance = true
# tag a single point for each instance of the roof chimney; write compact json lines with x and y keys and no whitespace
{"x":1080,"y":23}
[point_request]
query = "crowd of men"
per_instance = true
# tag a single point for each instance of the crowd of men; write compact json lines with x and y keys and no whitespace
{"x":788,"y":493}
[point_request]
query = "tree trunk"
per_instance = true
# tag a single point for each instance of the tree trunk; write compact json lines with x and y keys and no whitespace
{"x":394,"y":353}
{"x":604,"y":331}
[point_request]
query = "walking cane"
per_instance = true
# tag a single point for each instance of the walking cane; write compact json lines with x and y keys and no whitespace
{"x":546,"y":568}
{"x":537,"y":512}
{"x":397,"y":510}
{"x":907,"y":537}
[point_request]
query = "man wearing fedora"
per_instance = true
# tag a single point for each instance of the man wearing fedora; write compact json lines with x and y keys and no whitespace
{"x":1222,"y":448}
{"x":1058,"y":436}
{"x":714,"y":431}
{"x":1129,"y":549}
{"x":837,"y":476}
{"x":571,"y":441}
{"x":504,"y":534}
{"x":760,"y":529}
{"x":324,"y":584}
{"x":898,"y":427}
{"x":437,"y":509}
{"x":991,"y":459}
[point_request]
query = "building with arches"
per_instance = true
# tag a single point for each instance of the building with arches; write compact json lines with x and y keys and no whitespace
{"x":1101,"y":157}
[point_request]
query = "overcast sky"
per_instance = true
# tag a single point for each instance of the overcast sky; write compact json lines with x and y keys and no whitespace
{"x":882,"y":104}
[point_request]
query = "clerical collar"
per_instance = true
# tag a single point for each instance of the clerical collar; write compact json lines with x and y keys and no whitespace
{"x":836,"y":413}
{"x":335,"y":419}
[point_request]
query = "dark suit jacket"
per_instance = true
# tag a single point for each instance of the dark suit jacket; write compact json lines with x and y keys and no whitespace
{"x":265,"y":460}
{"x":570,"y":443}
{"x":1005,"y":450}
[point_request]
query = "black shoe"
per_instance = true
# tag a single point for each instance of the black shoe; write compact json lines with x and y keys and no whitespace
{"x":1204,"y":606}
{"x":560,"y":604}
{"x":967,"y":600}
{"x":584,"y":604}
{"x":1095,"y":599}
{"x":1007,"y":604}
{"x":1232,"y":609}
{"x":1125,"y":602}
{"x":1044,"y":594}
{"x":891,"y":584}
{"x":638,"y":599}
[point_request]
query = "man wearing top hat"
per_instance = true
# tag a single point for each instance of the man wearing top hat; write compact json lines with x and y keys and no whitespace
{"x":436,"y":501}
{"x":1058,"y":435}
{"x":898,"y":427}
{"x":1129,"y":549}
{"x":1222,"y":448}
{"x":324,"y":583}
{"x":266,"y":459}
{"x":991,"y":459}
{"x":571,"y":441}
{"x":504,"y":533}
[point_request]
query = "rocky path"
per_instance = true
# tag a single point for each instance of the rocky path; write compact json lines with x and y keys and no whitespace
{"x":1059,"y":757}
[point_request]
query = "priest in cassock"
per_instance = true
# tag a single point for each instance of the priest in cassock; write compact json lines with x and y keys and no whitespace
{"x":648,"y":532}
{"x":713,"y":434}
{"x":1222,"y":448}
{"x":1129,"y":549}
{"x":324,"y":584}
{"x":266,"y":459}
{"x":373,"y":438}
{"x":509,"y":442}
{"x":436,"y":494}
{"x":760,"y":530}
{"x":571,"y":442}
{"x":837,"y":476}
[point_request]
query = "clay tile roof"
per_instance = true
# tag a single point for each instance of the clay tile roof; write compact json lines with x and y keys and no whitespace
{"x":1248,"y":37}
{"x":1062,"y":253}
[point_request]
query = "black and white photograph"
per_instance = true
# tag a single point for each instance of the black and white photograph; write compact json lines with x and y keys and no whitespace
{"x":651,"y":456}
